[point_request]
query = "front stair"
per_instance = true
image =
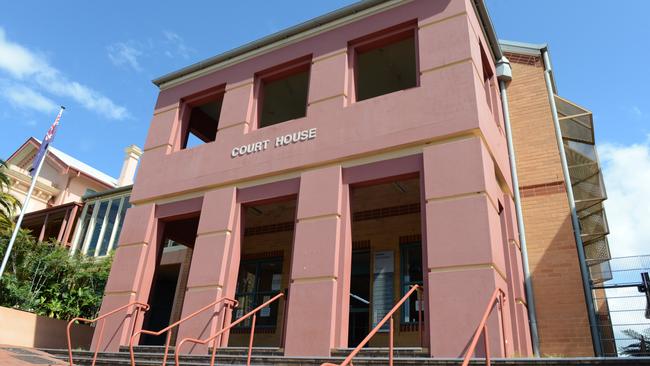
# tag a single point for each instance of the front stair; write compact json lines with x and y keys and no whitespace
{"x":152,"y":356}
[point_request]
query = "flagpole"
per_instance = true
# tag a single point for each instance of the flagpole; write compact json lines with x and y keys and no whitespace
{"x":24,"y":208}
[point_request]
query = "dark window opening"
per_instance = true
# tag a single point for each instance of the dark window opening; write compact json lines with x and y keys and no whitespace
{"x":202,"y":122}
{"x":385,"y":65}
{"x":283,"y":96}
{"x":488,"y":81}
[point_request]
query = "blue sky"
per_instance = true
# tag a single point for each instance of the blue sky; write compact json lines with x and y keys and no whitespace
{"x":98,"y":59}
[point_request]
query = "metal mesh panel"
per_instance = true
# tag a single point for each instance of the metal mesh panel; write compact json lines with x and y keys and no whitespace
{"x":597,"y":250}
{"x":593,"y":223}
{"x":600,"y":271}
{"x":566,"y":108}
{"x":579,"y":128}
{"x":590,"y":188}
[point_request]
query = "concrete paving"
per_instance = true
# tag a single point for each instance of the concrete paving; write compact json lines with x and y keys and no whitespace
{"x":23,"y":356}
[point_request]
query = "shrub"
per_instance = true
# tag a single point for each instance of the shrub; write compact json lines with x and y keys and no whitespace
{"x":43,"y":278}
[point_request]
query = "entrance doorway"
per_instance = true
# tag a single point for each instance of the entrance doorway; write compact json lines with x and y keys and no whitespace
{"x":170,"y":277}
{"x":386,"y":259}
{"x":264,"y":270}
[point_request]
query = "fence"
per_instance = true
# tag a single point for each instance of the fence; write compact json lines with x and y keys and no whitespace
{"x":621,"y":308}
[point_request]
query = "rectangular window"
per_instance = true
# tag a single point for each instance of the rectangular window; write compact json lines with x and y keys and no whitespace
{"x":259,"y":280}
{"x":385,"y":63}
{"x":201,"y":119}
{"x":96,"y":228}
{"x":282,"y":93}
{"x":411,"y":268}
{"x":100,"y":225}
{"x":488,"y":84}
{"x":87,"y":214}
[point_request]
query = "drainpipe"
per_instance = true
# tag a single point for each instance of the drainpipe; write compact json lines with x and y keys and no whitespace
{"x":504,"y":75}
{"x":586,"y":282}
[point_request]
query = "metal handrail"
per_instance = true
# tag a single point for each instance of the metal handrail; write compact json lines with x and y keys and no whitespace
{"x":389,"y":315}
{"x":498,"y":297}
{"x":138,"y":306}
{"x":252,"y":313}
{"x":234,"y":303}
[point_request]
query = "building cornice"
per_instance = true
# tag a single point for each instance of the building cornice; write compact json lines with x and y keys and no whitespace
{"x":20,"y":181}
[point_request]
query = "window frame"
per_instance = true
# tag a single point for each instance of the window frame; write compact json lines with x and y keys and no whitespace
{"x":190,"y":102}
{"x":376,"y":40}
{"x":490,"y":85}
{"x":83,"y":235}
{"x":255,"y":293}
{"x":275,"y":73}
{"x":404,"y":286}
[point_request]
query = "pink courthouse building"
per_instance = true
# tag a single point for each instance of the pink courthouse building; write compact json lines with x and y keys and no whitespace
{"x":338,"y":162}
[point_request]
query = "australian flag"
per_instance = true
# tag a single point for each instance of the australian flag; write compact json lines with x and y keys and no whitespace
{"x":46,"y":142}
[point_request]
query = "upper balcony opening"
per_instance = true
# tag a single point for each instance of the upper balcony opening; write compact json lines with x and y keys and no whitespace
{"x":201,"y":121}
{"x":385,"y":63}
{"x":283,"y":93}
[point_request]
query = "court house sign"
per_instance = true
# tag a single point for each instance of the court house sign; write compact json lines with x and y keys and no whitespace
{"x":280,"y":141}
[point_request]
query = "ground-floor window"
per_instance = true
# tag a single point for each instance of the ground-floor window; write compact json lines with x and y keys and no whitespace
{"x":259,"y":280}
{"x":411,"y":265}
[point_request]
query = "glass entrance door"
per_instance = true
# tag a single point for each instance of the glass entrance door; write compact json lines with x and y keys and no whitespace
{"x":259,"y":280}
{"x":359,"y":323}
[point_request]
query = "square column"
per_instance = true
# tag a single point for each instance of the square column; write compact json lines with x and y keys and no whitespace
{"x":130,"y":278}
{"x":213,"y":270}
{"x":316,"y":276}
{"x":465,"y":259}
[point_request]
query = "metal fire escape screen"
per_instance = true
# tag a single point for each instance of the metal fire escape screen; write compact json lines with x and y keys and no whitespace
{"x":588,"y":186}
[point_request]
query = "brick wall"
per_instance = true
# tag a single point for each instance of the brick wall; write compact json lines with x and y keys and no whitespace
{"x":562,"y":317}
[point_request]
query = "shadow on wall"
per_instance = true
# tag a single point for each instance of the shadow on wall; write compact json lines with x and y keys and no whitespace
{"x":20,"y":328}
{"x":561,"y":311}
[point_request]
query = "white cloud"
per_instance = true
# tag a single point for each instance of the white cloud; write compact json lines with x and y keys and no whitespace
{"x":636,"y":111}
{"x":178,"y":45}
{"x":28,"y":67}
{"x":23,"y":97}
{"x":626,"y":171}
{"x":125,"y":53}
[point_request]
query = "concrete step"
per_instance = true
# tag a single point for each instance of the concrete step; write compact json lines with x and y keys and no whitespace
{"x":151,"y":359}
{"x":382,"y":352}
{"x":272,"y":351}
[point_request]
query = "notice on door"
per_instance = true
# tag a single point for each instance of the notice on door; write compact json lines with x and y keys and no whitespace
{"x":382,"y":287}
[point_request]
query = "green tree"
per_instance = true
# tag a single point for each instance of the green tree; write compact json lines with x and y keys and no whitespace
{"x":8,"y":203}
{"x":642,"y":345}
{"x":43,"y":278}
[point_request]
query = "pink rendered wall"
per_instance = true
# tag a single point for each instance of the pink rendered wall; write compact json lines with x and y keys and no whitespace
{"x":449,"y":101}
{"x":463,"y":169}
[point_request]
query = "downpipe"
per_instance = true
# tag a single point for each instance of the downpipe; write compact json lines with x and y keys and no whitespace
{"x":504,"y":75}
{"x":586,"y":282}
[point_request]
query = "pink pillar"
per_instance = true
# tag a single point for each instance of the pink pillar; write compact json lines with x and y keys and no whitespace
{"x":465,"y":259}
{"x":131,"y":276}
{"x":313,"y":325}
{"x":214,"y":267}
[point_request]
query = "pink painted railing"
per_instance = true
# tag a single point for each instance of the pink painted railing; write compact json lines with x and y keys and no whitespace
{"x":252,"y":313}
{"x":229,"y":302}
{"x":387,"y":317}
{"x":138,"y":306}
{"x":498,"y":297}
